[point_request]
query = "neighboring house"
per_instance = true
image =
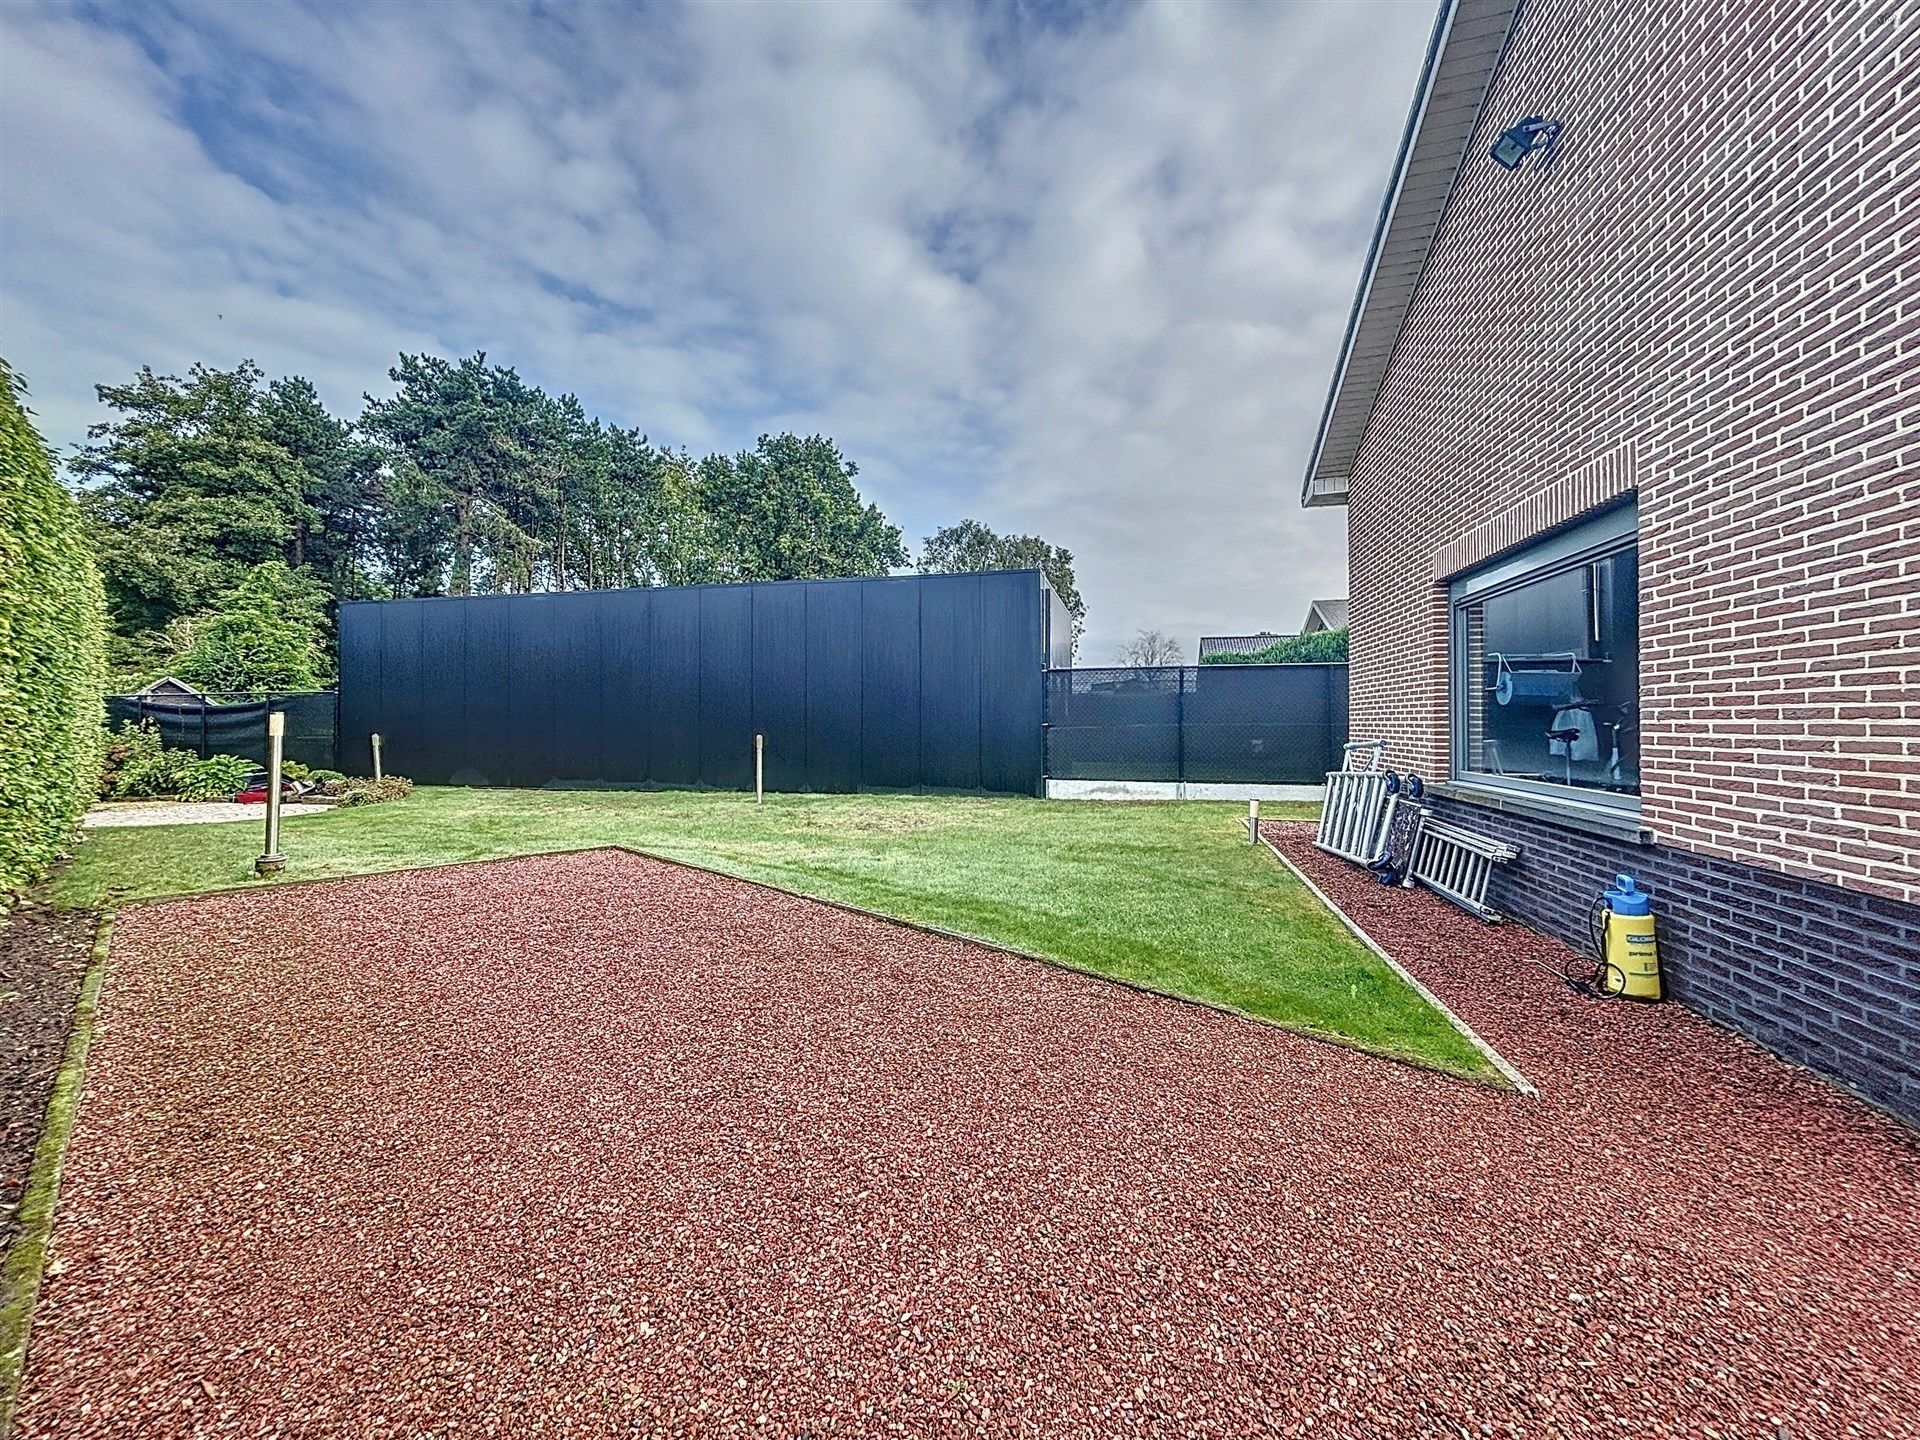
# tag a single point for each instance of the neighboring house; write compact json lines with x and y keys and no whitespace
{"x":168,"y":688}
{"x":1237,"y":644}
{"x":1629,"y":435}
{"x":1324,"y":615}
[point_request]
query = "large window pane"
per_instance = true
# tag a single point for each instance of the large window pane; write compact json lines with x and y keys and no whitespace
{"x":1551,"y":674}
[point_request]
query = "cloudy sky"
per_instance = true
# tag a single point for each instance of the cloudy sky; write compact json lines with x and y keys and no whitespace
{"x":1075,"y":270}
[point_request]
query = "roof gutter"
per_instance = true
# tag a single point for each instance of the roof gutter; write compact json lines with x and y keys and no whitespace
{"x":1326,"y":481}
{"x":1316,"y":490}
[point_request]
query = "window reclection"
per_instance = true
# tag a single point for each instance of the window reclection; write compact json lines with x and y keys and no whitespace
{"x":1546,"y":674}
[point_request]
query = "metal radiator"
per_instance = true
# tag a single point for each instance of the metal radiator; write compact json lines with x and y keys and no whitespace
{"x":1458,"y":864}
{"x":1353,"y":817}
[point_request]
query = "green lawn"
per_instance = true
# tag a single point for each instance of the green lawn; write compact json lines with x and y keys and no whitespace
{"x":1169,"y":896}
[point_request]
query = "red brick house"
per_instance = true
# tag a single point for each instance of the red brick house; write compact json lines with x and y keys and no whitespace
{"x":1627,"y":422}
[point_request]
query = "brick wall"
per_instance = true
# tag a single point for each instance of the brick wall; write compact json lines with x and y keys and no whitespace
{"x":1710,"y":295}
{"x":1826,"y":976}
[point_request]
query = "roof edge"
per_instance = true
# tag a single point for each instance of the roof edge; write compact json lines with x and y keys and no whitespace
{"x":1322,"y":485}
{"x":1423,"y":90}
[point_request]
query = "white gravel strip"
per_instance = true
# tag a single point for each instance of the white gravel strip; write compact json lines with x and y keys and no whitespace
{"x":183,"y":812}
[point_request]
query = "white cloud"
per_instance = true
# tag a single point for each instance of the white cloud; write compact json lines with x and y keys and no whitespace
{"x":1083,"y":278}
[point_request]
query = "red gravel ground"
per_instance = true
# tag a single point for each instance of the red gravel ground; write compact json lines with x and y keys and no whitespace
{"x":592,"y":1145}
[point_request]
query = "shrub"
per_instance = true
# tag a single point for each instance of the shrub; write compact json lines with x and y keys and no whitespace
{"x":218,"y":777}
{"x":325,"y":777}
{"x":362,"y":791}
{"x":119,"y":750}
{"x":139,"y":764}
{"x":1323,"y":647}
{"x":53,"y":663}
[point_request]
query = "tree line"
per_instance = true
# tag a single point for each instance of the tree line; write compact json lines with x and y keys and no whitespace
{"x":231,"y":512}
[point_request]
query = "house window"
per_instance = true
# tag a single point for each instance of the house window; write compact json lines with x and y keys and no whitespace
{"x":1546,"y":674}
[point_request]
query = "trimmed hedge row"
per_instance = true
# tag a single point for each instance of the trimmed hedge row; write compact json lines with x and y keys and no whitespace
{"x":1323,"y":647}
{"x":53,"y":654}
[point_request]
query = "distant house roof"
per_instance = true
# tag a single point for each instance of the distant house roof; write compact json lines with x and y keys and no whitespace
{"x":1237,"y":644}
{"x":1325,"y":615}
{"x":1469,"y":38}
{"x":168,"y":688}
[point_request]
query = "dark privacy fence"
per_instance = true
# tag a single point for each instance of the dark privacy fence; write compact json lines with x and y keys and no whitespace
{"x":922,"y":682}
{"x":237,"y":724}
{"x":1275,"y":724}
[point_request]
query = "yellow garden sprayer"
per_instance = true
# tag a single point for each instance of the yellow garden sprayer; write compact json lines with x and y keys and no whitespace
{"x":1625,"y":953}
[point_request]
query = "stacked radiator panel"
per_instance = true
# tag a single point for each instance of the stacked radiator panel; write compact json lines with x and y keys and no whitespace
{"x":1458,"y":864}
{"x":1353,"y":818}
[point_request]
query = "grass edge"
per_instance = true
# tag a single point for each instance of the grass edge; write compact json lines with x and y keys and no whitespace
{"x":1509,"y":1072}
{"x":1388,"y":1053}
{"x":1502,"y":1077}
{"x":26,"y":1258}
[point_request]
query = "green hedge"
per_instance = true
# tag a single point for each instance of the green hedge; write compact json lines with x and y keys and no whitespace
{"x":53,"y":653}
{"x":1323,"y":647}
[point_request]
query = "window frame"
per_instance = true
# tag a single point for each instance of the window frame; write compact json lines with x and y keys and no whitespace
{"x":1580,"y":544}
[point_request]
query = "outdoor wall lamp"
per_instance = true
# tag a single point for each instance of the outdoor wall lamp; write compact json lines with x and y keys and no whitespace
{"x":1536,"y":132}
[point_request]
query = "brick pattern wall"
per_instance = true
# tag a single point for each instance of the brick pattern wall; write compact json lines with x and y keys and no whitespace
{"x":1715,"y":276}
{"x":1826,"y":976}
{"x":1606,"y":479}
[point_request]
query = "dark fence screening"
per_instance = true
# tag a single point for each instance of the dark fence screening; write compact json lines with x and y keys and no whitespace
{"x":1251,"y":724}
{"x":921,"y":682}
{"x":237,"y":724}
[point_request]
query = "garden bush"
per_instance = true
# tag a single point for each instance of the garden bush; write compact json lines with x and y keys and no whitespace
{"x":159,"y":777}
{"x":121,"y":749}
{"x":139,"y":766}
{"x":53,"y":662}
{"x":362,"y":791}
{"x":218,"y":777}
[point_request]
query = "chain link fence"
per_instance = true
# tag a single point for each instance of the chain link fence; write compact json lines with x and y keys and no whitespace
{"x":1235,"y":724}
{"x":227,"y":724}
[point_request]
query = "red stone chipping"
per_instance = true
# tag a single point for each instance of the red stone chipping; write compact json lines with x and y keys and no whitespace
{"x":591,"y":1145}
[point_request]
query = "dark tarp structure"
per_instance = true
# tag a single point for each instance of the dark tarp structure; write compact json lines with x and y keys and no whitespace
{"x":916,"y":682}
{"x":236,"y":724}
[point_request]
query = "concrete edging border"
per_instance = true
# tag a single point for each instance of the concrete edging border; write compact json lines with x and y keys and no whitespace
{"x":1493,"y":1056}
{"x":1140,"y":791}
{"x":27,"y":1256}
{"x":1505,"y":1071}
